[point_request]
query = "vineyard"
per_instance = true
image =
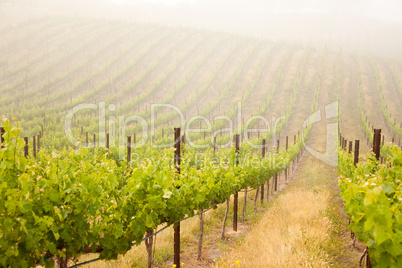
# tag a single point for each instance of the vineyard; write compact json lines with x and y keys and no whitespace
{"x":116,"y":132}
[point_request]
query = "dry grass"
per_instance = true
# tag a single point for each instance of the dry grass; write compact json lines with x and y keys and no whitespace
{"x":294,"y":230}
{"x":137,"y":256}
{"x":213,"y":246}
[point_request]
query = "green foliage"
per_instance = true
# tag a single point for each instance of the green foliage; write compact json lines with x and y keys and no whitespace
{"x":384,"y":108}
{"x":372,"y":194}
{"x":66,"y":201}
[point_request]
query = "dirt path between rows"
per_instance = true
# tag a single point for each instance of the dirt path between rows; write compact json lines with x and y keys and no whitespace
{"x":305,"y":226}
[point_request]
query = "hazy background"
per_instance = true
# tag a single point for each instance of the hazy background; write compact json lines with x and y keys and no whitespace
{"x":363,"y":25}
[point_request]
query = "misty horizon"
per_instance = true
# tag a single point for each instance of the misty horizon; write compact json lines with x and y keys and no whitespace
{"x":385,"y":10}
{"x":366,"y":26}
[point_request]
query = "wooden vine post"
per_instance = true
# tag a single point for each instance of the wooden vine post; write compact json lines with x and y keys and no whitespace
{"x":287,"y":146}
{"x":26,"y":147}
{"x":355,"y":161}
{"x":376,"y":150}
{"x":376,"y":143}
{"x":293,"y":161}
{"x":268,"y":187}
{"x":2,"y":132}
{"x":368,"y":260}
{"x":236,"y":196}
{"x":128,"y":149}
{"x":177,"y":160}
{"x":276,"y":175}
{"x":243,"y":215}
{"x":263,"y":156}
{"x":199,"y":248}
{"x":38,"y":145}
{"x":356,"y":155}
{"x":34,"y":146}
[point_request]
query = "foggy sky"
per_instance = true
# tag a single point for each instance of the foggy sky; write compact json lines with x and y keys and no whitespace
{"x":364,"y":25}
{"x":388,"y":10}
